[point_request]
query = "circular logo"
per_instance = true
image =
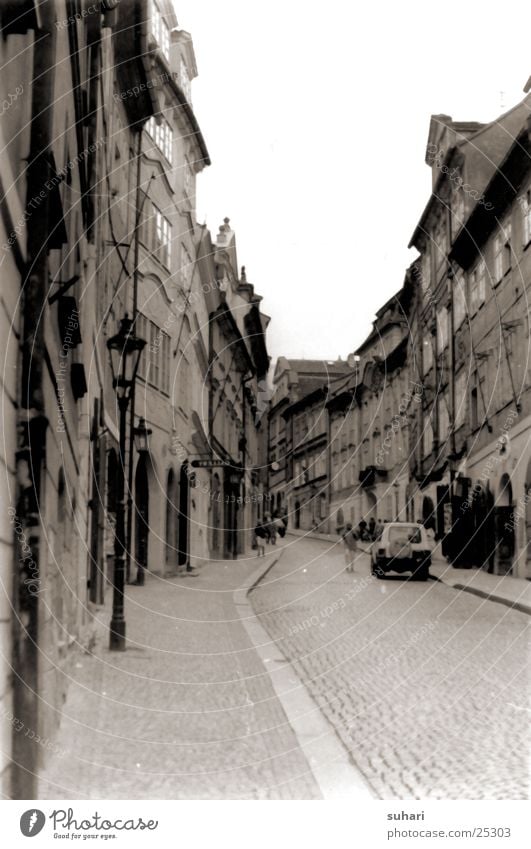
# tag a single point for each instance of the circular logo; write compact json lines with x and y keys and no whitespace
{"x":32,"y":822}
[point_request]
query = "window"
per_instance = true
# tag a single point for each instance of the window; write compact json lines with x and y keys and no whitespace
{"x":162,"y":237}
{"x":427,"y":353}
{"x":502,"y":251}
{"x":458,"y":211}
{"x":442,"y":329}
{"x":441,"y":242}
{"x":459,"y":301}
{"x":444,"y":419}
{"x":460,"y":399}
{"x":427,"y":437}
{"x":156,"y":233}
{"x":154,"y":366}
{"x":162,"y":135}
{"x":188,"y":180}
{"x":160,"y":30}
{"x":184,"y":79}
{"x":477,"y":287}
{"x":525,"y":203}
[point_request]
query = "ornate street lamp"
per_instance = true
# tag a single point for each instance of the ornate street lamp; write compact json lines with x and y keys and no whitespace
{"x":125,"y":350}
{"x":142,"y":434}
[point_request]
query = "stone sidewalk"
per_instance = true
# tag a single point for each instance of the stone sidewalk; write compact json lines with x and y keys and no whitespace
{"x":187,"y":712}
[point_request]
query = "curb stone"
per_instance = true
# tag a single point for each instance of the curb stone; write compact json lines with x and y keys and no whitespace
{"x":329,"y":761}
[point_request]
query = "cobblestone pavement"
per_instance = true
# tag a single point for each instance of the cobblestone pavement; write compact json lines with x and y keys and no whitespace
{"x":187,"y":712}
{"x":426,"y":686}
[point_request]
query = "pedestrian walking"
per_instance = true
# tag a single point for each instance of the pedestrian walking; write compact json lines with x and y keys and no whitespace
{"x":260,"y":535}
{"x":271,"y":529}
{"x":350,"y":541}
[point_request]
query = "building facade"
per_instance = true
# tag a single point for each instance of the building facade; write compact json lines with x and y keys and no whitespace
{"x":469,"y":343}
{"x":101,"y":149}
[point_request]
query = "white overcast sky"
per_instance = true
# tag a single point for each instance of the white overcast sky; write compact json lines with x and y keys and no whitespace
{"x":316,"y":118}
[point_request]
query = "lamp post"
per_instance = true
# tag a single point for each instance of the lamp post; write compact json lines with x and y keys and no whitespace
{"x":141,"y":435}
{"x":125,"y":349}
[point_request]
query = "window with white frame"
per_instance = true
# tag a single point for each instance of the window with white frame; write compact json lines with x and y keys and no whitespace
{"x":525,"y":203}
{"x":184,"y":79}
{"x":460,"y":309}
{"x":154,"y":365}
{"x":155,"y":233}
{"x":162,"y":135}
{"x":477,"y":287}
{"x":162,"y":237}
{"x":160,"y":29}
{"x":498,"y":258}
{"x":442,"y":329}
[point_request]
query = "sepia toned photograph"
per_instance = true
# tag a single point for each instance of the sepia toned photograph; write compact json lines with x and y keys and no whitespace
{"x":265,"y":336}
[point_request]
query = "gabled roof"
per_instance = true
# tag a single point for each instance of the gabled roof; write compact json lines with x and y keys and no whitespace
{"x":482,"y":151}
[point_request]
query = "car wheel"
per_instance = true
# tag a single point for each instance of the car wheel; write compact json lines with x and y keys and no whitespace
{"x":421,"y":572}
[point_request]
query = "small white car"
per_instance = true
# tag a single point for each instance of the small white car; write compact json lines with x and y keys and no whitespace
{"x":402,"y":547}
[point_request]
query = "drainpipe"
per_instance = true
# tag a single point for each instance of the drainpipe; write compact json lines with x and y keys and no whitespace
{"x":31,"y":453}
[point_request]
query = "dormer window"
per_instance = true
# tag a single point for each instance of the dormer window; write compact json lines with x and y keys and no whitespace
{"x":184,"y":79}
{"x":160,"y":30}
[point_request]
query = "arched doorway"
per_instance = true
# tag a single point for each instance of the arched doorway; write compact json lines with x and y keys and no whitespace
{"x":141,"y":517}
{"x":172,"y":524}
{"x":183,"y":523}
{"x":504,"y":526}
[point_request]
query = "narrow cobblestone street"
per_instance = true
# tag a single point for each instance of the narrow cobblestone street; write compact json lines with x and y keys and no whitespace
{"x":187,"y":712}
{"x":426,"y":686}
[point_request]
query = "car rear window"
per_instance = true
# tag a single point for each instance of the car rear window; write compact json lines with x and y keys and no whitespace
{"x":408,"y":533}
